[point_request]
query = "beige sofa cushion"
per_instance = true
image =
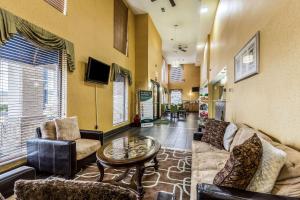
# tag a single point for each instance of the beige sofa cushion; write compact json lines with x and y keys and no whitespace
{"x":291,"y":168}
{"x":268,"y":170}
{"x":85,"y":147}
{"x":244,"y":133}
{"x":67,"y":128}
{"x":209,"y":161}
{"x":288,"y":187}
{"x":199,"y":176}
{"x":202,"y":147}
{"x":48,"y":130}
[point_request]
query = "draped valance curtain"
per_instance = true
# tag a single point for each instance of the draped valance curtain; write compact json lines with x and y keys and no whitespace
{"x":118,"y":70}
{"x":11,"y":24}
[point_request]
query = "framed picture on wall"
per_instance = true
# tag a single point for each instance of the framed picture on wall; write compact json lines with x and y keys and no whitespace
{"x":246,"y":62}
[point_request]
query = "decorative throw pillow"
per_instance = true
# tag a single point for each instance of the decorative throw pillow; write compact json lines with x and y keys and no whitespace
{"x":214,"y":133}
{"x":229,"y":135}
{"x":242,"y":165}
{"x":48,"y":130}
{"x":271,"y":163}
{"x":67,"y":128}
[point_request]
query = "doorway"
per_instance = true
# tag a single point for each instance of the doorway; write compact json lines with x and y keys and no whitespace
{"x":156,"y":99}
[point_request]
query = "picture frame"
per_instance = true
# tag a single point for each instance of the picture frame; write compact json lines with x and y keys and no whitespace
{"x":246,"y":61}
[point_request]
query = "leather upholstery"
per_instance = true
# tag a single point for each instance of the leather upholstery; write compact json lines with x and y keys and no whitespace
{"x":198,"y":136}
{"x":8,"y":179}
{"x":208,"y":191}
{"x":58,"y":156}
{"x":164,"y":196}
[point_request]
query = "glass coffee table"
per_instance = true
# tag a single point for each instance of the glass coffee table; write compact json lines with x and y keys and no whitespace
{"x":126,"y":153}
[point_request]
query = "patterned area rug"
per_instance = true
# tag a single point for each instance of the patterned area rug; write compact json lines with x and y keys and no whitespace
{"x":174,"y":174}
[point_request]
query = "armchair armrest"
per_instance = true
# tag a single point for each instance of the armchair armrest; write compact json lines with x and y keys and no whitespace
{"x":198,"y":136}
{"x":53,"y":156}
{"x":208,"y":191}
{"x":94,"y":135}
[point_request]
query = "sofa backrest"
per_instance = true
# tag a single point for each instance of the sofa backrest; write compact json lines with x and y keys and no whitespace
{"x":245,"y":132}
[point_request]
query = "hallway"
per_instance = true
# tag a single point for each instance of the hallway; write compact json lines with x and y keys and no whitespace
{"x":177,"y":134}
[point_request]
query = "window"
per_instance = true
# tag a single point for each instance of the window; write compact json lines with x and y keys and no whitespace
{"x":60,"y":5}
{"x":164,"y":72}
{"x":120,"y":26}
{"x":176,"y":97}
{"x":176,"y":74}
{"x":120,"y":100}
{"x":32,"y":90}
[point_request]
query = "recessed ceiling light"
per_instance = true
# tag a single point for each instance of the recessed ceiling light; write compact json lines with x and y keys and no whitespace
{"x":204,"y":10}
{"x":199,"y":46}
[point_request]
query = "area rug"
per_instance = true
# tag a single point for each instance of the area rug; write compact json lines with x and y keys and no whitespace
{"x":174,"y":174}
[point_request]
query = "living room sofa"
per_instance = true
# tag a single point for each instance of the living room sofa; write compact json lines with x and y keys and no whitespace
{"x":208,"y":160}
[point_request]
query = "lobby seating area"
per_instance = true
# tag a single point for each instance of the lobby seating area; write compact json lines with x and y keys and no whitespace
{"x":275,"y":178}
{"x":149,"y":99}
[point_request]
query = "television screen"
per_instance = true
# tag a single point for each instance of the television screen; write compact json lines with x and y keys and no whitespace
{"x":195,"y":89}
{"x":97,"y":71}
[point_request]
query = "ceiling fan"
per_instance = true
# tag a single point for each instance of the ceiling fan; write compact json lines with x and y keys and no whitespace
{"x":172,"y":2}
{"x":182,"y":48}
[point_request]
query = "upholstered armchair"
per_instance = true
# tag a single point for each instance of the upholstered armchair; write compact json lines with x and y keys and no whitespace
{"x":63,"y":157}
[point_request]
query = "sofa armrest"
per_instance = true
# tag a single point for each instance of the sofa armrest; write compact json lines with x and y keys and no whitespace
{"x":197,"y":136}
{"x":208,"y":191}
{"x":53,"y":156}
{"x":93,"y":135}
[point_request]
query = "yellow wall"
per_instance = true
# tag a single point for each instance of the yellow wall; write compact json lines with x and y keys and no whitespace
{"x":141,"y":46}
{"x":155,"y":57}
{"x":89,"y":25}
{"x":149,"y":56}
{"x":192,"y":79}
{"x":269,"y":101}
{"x":205,"y":64}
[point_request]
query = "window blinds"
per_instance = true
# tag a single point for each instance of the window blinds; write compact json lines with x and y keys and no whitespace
{"x":120,"y":100}
{"x":60,"y":5}
{"x":32,"y":90}
{"x":176,"y":74}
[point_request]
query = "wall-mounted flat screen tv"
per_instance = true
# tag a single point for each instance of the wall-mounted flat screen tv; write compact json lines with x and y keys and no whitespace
{"x":97,"y":72}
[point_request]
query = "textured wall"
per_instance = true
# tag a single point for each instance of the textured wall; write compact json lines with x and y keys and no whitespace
{"x":89,"y":25}
{"x":269,"y":101}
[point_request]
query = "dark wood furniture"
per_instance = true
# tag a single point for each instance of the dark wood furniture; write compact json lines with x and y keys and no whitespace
{"x":126,"y":153}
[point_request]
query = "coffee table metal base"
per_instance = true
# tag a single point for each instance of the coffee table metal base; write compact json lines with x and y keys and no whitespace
{"x":136,"y":180}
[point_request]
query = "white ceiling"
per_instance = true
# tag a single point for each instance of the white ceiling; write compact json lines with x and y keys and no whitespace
{"x":192,"y":30}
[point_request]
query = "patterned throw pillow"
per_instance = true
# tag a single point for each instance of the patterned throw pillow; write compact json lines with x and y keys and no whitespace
{"x":214,"y":132}
{"x":242,"y":164}
{"x":67,"y":128}
{"x":48,"y":130}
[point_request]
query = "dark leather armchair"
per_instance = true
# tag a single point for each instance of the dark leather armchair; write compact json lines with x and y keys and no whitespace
{"x":213,"y":192}
{"x":59,"y":156}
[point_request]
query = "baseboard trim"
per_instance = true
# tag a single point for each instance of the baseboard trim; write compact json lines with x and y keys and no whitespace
{"x":116,"y":131}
